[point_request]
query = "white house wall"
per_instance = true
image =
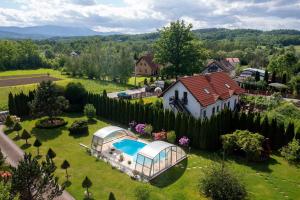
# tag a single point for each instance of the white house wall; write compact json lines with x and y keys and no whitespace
{"x":193,"y":105}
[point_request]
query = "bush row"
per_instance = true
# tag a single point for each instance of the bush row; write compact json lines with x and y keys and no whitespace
{"x":203,"y":134}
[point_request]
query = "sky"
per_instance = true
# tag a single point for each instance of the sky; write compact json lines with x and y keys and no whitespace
{"x":141,"y":16}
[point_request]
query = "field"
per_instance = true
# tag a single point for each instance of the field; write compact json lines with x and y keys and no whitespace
{"x":297,"y":47}
{"x":94,"y":86}
{"x":274,"y":180}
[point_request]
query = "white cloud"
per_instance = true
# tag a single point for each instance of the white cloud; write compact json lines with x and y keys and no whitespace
{"x":136,"y":16}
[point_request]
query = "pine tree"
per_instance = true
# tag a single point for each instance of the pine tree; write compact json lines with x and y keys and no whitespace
{"x":51,"y":154}
{"x":265,"y":127}
{"x":37,"y":144}
{"x":104,"y":94}
{"x":11,"y":104}
{"x":9,"y":123}
{"x":87,"y":183}
{"x":111,"y":196}
{"x":65,"y":165}
{"x":25,"y":136}
{"x":289,"y":133}
{"x":17,"y":127}
{"x":266,"y":76}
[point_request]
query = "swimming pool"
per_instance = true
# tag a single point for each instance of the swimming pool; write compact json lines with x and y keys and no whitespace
{"x":130,"y":147}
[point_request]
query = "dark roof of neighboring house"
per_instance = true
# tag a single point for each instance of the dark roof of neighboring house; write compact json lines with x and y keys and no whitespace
{"x":149,"y":59}
{"x":209,"y":88}
{"x":223,"y":64}
{"x":233,"y":60}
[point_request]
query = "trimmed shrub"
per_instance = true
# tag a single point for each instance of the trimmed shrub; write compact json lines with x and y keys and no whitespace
{"x":77,"y":96}
{"x":291,"y":152}
{"x":219,"y":183}
{"x":90,"y":111}
{"x":79,"y":127}
{"x":249,"y":143}
{"x":50,"y":123}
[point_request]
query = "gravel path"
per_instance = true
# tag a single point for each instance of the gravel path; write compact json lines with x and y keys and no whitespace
{"x":14,"y":154}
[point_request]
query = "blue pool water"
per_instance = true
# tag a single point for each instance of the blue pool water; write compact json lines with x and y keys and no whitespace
{"x":130,"y":147}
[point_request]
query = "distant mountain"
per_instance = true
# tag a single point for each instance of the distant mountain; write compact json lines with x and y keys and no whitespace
{"x":48,"y":31}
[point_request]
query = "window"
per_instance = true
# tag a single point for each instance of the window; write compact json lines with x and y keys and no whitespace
{"x":185,"y":99}
{"x":213,"y":110}
{"x":204,"y":113}
{"x":228,"y":104}
{"x":176,"y":94}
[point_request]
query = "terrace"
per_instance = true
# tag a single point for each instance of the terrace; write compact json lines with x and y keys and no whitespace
{"x":137,"y":158}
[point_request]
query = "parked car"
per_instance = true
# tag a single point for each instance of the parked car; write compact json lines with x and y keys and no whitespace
{"x":123,"y":95}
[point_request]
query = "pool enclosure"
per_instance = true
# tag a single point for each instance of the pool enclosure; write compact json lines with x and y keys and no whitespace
{"x":107,"y":135}
{"x":135,"y":156}
{"x":157,"y":157}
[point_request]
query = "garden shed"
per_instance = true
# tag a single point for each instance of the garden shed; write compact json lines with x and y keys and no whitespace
{"x":157,"y":157}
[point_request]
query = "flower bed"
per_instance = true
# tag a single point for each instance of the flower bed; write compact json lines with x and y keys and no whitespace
{"x":50,"y":123}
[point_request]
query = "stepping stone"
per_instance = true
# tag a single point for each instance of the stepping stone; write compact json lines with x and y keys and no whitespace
{"x":286,"y":196}
{"x":181,"y":167}
{"x":200,"y":167}
{"x":194,"y":167}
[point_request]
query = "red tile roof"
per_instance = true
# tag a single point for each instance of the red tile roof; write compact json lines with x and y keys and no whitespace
{"x":209,"y":88}
{"x":149,"y":59}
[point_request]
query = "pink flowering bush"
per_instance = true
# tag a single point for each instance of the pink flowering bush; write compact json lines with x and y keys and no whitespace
{"x":184,"y":141}
{"x":140,"y":128}
{"x":160,"y":136}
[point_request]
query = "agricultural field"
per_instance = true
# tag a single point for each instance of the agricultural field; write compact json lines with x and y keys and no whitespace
{"x":274,"y":180}
{"x":94,"y":86}
{"x":297,"y":47}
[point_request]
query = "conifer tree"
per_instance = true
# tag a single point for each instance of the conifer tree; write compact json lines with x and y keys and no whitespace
{"x":65,"y":165}
{"x":37,"y":144}
{"x":51,"y":154}
{"x":289,"y":133}
{"x":25,"y":136}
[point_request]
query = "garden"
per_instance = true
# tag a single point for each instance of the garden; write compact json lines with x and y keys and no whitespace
{"x":244,"y":157}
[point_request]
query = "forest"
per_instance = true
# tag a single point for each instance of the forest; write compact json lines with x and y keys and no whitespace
{"x":116,"y":54}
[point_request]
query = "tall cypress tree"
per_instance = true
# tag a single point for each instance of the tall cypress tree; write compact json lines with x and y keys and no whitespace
{"x":289,"y":133}
{"x":178,"y":125}
{"x":11,"y":104}
{"x":265,"y":127}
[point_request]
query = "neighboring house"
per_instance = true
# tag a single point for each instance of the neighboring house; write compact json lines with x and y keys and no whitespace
{"x":219,"y":66}
{"x":233,"y":61}
{"x":145,"y":66}
{"x":74,"y":53}
{"x":250,"y":72}
{"x":202,"y":95}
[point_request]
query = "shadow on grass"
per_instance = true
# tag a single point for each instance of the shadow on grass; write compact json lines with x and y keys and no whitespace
{"x":80,"y":135}
{"x":38,"y":157}
{"x":8,"y":131}
{"x":262,"y":166}
{"x":170,"y":176}
{"x":92,"y":121}
{"x":16,"y":138}
{"x":25,"y":146}
{"x":48,"y":134}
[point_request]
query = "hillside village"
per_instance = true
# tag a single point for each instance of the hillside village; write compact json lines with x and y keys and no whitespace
{"x":170,"y":118}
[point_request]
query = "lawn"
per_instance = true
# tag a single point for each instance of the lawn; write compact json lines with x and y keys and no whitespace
{"x":139,"y":80}
{"x":94,"y":86}
{"x":274,"y":180}
{"x":148,"y":100}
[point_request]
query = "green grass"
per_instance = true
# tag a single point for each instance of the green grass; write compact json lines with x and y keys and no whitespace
{"x":273,"y":180}
{"x":94,"y":86}
{"x":139,"y":79}
{"x":148,"y":100}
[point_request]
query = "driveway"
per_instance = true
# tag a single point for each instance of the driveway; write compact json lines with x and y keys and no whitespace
{"x":14,"y":154}
{"x":130,"y":92}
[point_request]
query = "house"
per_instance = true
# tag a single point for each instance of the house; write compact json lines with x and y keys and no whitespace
{"x":74,"y":54}
{"x":145,"y":66}
{"x":233,"y":61}
{"x":250,"y":72}
{"x":220,"y":66}
{"x":202,"y":95}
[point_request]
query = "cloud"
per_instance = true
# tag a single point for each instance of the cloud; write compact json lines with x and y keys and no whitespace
{"x":136,"y":16}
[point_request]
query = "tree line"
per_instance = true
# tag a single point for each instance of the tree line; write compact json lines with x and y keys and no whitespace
{"x":204,"y":134}
{"x":104,"y":62}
